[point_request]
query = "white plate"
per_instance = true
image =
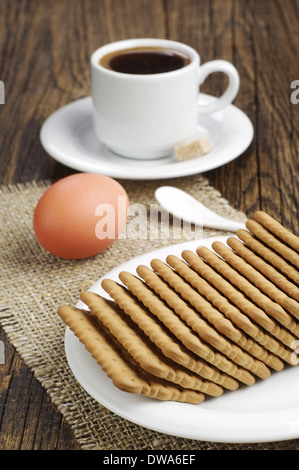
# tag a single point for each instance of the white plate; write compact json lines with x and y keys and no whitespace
{"x":68,"y":136}
{"x":266,"y":411}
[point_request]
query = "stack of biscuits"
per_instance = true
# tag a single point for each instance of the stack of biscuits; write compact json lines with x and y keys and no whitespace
{"x":201,"y":324}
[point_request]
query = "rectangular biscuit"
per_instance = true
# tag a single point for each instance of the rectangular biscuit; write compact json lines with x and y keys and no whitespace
{"x":269,"y":255}
{"x":142,"y":349}
{"x":289,"y":307}
{"x":238,"y":299}
{"x":162,"y":337}
{"x":277,"y":229}
{"x":272,"y":274}
{"x":272,"y":242}
{"x":124,"y":374}
{"x":271,"y":314}
{"x":269,"y":346}
{"x":197,"y":322}
{"x":179,"y":328}
{"x":195,"y":289}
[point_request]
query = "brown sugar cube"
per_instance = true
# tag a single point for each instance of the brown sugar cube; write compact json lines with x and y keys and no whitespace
{"x":192,"y":149}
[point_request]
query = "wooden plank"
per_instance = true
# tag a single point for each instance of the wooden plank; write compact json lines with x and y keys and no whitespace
{"x":27,"y":418}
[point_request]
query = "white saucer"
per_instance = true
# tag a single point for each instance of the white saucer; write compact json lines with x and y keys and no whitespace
{"x":68,"y":136}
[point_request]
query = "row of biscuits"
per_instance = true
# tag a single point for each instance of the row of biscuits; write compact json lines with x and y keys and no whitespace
{"x":201,"y":324}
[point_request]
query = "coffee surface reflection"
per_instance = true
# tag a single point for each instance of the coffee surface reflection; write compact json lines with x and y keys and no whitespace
{"x":145,"y":60}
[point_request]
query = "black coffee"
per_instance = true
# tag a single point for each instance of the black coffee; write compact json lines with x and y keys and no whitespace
{"x":145,"y":60}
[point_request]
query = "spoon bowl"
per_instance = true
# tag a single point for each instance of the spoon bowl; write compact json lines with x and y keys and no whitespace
{"x":185,"y":207}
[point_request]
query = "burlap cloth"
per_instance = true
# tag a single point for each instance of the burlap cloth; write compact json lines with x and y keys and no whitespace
{"x":34,"y":284}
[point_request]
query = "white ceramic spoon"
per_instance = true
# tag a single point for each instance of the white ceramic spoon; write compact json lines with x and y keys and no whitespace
{"x":185,"y":207}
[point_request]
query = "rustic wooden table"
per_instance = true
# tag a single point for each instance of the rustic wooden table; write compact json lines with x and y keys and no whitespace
{"x":45,"y":47}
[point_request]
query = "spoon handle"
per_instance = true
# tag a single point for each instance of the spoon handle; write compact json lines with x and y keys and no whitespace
{"x":226,"y":225}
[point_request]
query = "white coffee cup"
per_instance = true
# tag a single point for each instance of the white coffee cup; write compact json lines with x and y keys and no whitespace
{"x":146,"y":116}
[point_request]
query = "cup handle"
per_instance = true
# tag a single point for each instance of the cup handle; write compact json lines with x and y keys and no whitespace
{"x":232,"y":89}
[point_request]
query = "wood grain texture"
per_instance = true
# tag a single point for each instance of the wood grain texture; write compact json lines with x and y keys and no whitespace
{"x":45,"y":48}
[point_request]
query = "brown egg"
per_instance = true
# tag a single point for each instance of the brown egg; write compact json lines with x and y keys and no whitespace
{"x":81,"y":215}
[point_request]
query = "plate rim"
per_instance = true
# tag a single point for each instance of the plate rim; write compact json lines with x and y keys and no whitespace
{"x":176,"y":170}
{"x":235,"y":437}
